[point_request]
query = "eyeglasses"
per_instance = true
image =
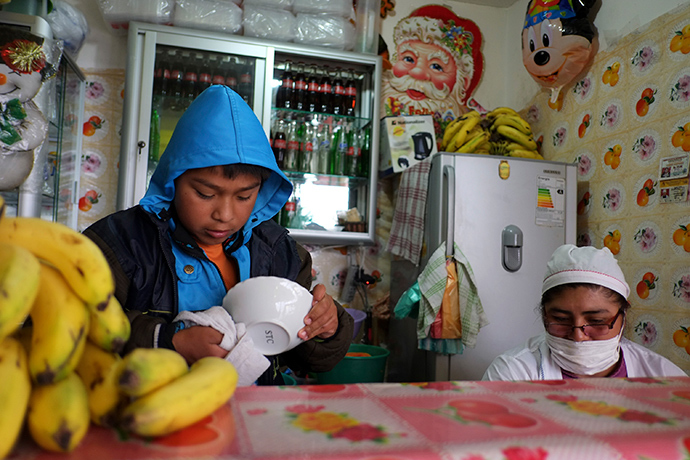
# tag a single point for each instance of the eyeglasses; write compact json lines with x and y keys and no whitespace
{"x":590,"y":330}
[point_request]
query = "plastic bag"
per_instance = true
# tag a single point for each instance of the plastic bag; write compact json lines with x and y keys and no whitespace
{"x":220,"y":16}
{"x":69,"y":25}
{"x":325,"y":30}
{"x":342,"y":8}
{"x":269,"y":23}
{"x":118,"y":13}
{"x":272,"y":4}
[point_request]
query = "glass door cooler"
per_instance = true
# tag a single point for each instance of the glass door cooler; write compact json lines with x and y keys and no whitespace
{"x":318,"y":107}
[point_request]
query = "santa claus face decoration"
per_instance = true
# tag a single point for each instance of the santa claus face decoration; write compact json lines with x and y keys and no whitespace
{"x":23,"y":127}
{"x":437,"y":64}
{"x":556,"y":41}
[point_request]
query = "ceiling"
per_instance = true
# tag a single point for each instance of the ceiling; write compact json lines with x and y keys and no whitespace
{"x":494,"y":3}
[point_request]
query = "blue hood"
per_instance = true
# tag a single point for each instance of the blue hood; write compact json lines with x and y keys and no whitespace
{"x":217,"y":129}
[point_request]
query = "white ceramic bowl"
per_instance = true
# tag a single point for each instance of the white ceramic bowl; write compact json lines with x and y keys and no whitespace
{"x":272,"y":308}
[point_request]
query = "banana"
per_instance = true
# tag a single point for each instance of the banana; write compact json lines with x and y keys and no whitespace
{"x":58,"y":416}
{"x":19,"y":278}
{"x":100,"y":371}
{"x":471,"y":145}
{"x":15,"y":388}
{"x":501,"y":111}
{"x":78,"y":258}
{"x":109,"y":328}
{"x":515,"y":121}
{"x":522,"y":153}
{"x":461,"y":136}
{"x":3,"y":207}
{"x":60,"y":325}
{"x":146,"y":369}
{"x":516,"y":136}
{"x":209,"y":384}
{"x":454,"y":126}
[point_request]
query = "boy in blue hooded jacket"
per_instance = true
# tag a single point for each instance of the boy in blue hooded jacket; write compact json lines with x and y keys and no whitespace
{"x":204,"y":225}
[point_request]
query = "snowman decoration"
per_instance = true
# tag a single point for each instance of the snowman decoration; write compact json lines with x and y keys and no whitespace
{"x":23,"y":128}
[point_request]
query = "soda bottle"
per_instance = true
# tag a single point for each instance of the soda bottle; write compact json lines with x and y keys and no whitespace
{"x":230,"y":74}
{"x":365,"y":145}
{"x":336,"y":163}
{"x":290,"y":162}
{"x":350,"y":94}
{"x":323,"y":149}
{"x":246,"y":86}
{"x":204,"y":73}
{"x":280,"y":142}
{"x":338,"y":93}
{"x":217,"y":73}
{"x":313,"y":96}
{"x":325,"y":93}
{"x":307,"y":147}
{"x":300,"y":94}
{"x":354,"y":153}
{"x":161,"y":77}
{"x":285,"y":90}
{"x":177,"y":84}
{"x":289,"y":213}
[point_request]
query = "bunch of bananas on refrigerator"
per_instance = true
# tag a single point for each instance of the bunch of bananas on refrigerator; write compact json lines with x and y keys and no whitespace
{"x":499,"y":132}
{"x":61,"y":334}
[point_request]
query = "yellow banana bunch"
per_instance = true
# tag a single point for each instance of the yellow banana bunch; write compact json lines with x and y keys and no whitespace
{"x":472,"y":144}
{"x":146,"y":369}
{"x":60,"y":324}
{"x":100,"y":371}
{"x":58,"y":416}
{"x":473,"y":119}
{"x":109,"y":328}
{"x":454,"y":126}
{"x":511,"y":135}
{"x":19,"y":278}
{"x":78,"y":258}
{"x":15,"y":388}
{"x":209,"y":383}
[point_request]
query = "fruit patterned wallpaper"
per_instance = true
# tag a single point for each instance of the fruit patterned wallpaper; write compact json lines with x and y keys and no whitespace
{"x":100,"y":144}
{"x":619,"y":123}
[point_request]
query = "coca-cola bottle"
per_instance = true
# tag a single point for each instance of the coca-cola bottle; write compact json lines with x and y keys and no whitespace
{"x":313,"y":96}
{"x":338,"y":93}
{"x":353,"y":155}
{"x":176,"y":84}
{"x":160,"y":79}
{"x":204,"y":74}
{"x":289,"y":213}
{"x":300,"y":94}
{"x":280,"y":142}
{"x":306,"y":151}
{"x":217,"y":73}
{"x":285,"y":90}
{"x":231,"y":74}
{"x":325,"y":93}
{"x":290,"y":163}
{"x":350,"y":94}
{"x":189,"y":88}
{"x":323,"y":146}
{"x":246,"y":86}
{"x":336,"y":163}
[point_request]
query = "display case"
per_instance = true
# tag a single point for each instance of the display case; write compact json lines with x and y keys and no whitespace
{"x":318,"y":106}
{"x":62,"y":102}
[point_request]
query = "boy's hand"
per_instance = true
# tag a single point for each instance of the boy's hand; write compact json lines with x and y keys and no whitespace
{"x":197,"y":342}
{"x":322,"y":319}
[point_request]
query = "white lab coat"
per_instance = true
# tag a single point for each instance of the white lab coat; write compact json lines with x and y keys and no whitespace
{"x":533,"y":361}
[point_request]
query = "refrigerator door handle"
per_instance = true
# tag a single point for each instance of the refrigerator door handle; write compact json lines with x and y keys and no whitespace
{"x":449,"y":176}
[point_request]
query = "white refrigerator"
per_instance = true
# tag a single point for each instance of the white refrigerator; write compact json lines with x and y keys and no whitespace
{"x":507,"y":215}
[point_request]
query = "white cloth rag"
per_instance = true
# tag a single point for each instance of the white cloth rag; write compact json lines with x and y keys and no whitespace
{"x":248,"y":361}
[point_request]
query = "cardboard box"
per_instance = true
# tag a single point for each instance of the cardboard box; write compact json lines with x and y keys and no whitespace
{"x":405,"y":141}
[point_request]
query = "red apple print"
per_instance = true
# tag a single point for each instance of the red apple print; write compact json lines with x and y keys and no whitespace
{"x":198,"y":433}
{"x":472,"y":406}
{"x":562,"y":398}
{"x":685,"y":394}
{"x":556,"y":382}
{"x":324,"y":388}
{"x":631,"y":415}
{"x":510,"y":420}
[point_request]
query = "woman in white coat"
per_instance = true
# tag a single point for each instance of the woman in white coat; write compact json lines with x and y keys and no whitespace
{"x":583,"y":307}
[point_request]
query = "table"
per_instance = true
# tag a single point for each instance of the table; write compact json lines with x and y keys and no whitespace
{"x":642,"y":418}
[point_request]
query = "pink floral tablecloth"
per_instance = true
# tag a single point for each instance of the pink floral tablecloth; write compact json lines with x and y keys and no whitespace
{"x":634,"y":419}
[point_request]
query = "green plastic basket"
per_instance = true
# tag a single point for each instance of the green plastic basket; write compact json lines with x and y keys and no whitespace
{"x":358,"y":369}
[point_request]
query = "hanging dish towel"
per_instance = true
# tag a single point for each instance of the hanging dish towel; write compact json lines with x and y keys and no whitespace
{"x":407,"y":229}
{"x":432,"y":285}
{"x":248,"y":361}
{"x":472,"y":313}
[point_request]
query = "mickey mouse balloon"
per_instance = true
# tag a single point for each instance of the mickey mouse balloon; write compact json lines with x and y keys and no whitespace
{"x":556,"y":41}
{"x":23,"y":127}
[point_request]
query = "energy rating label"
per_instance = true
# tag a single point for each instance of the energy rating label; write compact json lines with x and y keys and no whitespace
{"x":550,"y":201}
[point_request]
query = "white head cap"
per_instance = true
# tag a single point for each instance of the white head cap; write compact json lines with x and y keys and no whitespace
{"x":570,"y":264}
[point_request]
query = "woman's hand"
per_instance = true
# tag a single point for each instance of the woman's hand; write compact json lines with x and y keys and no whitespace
{"x":197,"y":342}
{"x":322,"y":319}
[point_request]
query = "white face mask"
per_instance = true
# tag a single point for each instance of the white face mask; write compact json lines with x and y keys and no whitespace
{"x":587,"y":357}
